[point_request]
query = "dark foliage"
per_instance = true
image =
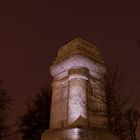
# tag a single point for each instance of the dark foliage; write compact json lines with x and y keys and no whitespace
{"x":37,"y":117}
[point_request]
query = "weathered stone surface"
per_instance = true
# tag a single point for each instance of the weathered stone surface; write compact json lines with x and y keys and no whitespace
{"x":78,"y":110}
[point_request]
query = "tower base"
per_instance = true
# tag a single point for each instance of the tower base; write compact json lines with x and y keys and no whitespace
{"x":79,"y":133}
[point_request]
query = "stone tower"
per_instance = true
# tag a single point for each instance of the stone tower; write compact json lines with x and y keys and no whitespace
{"x":78,"y":109}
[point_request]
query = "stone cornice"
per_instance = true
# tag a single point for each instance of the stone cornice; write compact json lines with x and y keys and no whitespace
{"x":79,"y":46}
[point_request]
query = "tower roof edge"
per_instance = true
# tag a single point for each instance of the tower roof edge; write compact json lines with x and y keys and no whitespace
{"x":79,"y":46}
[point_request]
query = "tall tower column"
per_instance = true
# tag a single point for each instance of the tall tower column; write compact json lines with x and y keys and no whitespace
{"x":77,"y":96}
{"x":78,"y":109}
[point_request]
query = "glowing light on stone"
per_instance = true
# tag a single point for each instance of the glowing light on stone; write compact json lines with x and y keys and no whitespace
{"x":77,"y":101}
{"x":78,"y":61}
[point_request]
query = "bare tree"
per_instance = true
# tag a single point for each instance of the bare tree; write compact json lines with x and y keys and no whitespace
{"x":5,"y":102}
{"x":132,"y":116}
{"x":123,"y":119}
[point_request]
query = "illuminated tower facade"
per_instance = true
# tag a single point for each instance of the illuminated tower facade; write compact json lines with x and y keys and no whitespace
{"x":78,"y":109}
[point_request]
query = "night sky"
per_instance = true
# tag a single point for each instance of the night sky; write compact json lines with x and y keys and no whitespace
{"x":32,"y":31}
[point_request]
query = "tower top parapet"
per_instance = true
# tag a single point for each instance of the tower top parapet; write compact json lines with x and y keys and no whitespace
{"x":79,"y":46}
